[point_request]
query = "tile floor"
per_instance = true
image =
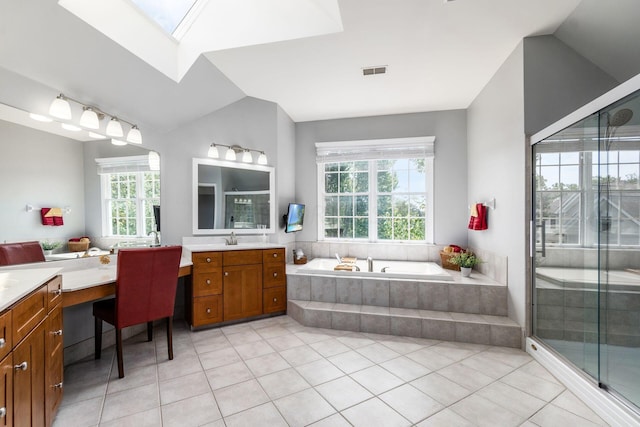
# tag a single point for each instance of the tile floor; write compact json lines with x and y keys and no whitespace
{"x":276,"y":372}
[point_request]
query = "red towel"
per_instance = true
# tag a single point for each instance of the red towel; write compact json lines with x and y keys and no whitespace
{"x":479,"y":222}
{"x":49,"y":219}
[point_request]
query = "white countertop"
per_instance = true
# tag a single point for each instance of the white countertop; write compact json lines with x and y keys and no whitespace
{"x":238,"y":247}
{"x":15,"y":284}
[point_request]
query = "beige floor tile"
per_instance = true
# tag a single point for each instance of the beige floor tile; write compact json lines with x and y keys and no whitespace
{"x":512,"y":399}
{"x":535,"y":386}
{"x":283,"y":383}
{"x":150,"y":418}
{"x":310,"y":336}
{"x":134,"y":377}
{"x":335,"y":420}
{"x":300,"y":355}
{"x":411,"y":403}
{"x":355,"y":341}
{"x":374,"y":413}
{"x":401,"y":347}
{"x":239,"y":397}
{"x":440,"y":388}
{"x":467,"y":377}
{"x":484,"y":413}
{"x":376,"y":379}
{"x":263,"y":415}
{"x":405,"y":368}
{"x":552,"y":415}
{"x":183,"y":387}
{"x":80,"y":414}
{"x":329,"y":347}
{"x":377,"y":353}
{"x":129,"y":402}
{"x":303,"y":408}
{"x":243,"y":337}
{"x":181,"y":365}
{"x":569,"y":402}
{"x":193,"y":411}
{"x":272,"y":332}
{"x":343,"y":392}
{"x":350,"y":361}
{"x":267,"y":364}
{"x":319,"y":372}
{"x":509,"y":356}
{"x":285,"y":342}
{"x":484,"y":363}
{"x":217,"y":358}
{"x":445,"y":418}
{"x":77,"y":392}
{"x":227,"y":375}
{"x":254,"y":349}
{"x":430,"y":358}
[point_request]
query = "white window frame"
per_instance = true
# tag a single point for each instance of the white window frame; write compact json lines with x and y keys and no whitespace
{"x":368,"y":150}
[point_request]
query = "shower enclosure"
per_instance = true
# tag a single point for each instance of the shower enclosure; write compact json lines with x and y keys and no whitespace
{"x":586,"y":260}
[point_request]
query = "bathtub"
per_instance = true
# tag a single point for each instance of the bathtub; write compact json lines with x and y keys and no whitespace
{"x":392,"y":269}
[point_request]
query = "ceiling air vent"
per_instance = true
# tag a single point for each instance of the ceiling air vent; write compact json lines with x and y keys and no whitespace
{"x":370,"y":71}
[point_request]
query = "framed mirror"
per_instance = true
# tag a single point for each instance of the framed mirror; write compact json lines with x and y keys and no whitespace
{"x":233,"y":197}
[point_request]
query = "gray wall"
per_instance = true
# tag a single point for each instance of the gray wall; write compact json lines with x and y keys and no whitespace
{"x":450,"y":166}
{"x":42,"y":170}
{"x":285,"y":173}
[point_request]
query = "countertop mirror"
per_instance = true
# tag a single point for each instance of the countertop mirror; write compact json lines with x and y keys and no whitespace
{"x":233,"y":197}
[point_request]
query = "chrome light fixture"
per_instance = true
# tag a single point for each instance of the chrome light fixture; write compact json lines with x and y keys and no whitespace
{"x":231,"y":154}
{"x":60,"y":108}
{"x":91,"y":117}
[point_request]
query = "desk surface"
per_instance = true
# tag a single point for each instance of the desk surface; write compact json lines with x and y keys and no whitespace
{"x":90,"y":284}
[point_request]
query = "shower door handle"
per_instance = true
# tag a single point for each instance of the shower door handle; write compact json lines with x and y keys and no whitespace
{"x":543,"y":238}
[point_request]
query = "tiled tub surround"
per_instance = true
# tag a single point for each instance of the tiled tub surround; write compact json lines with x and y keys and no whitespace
{"x":494,"y":265}
{"x":465,"y":310}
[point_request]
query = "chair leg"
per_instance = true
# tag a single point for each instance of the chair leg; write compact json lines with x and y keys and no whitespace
{"x":149,"y":331}
{"x":119,"y":352}
{"x":97,"y":336}
{"x":170,"y":336}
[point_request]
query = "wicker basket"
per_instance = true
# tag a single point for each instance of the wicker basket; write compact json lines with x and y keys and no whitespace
{"x":444,"y":257}
{"x":78,"y":246}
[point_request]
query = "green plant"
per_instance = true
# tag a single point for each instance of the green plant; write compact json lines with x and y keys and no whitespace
{"x":49,"y":246}
{"x":465,"y":259}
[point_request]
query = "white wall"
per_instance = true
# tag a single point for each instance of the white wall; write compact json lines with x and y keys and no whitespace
{"x":43,"y":170}
{"x":450,"y":167}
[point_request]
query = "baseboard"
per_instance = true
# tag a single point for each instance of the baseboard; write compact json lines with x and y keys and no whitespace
{"x":606,"y":406}
{"x":83,"y":349}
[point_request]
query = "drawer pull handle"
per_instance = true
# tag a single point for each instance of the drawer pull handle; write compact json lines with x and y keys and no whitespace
{"x":275,"y":300}
{"x":275,"y":255}
{"x":57,"y":333}
{"x":57,"y":292}
{"x":208,"y":281}
{"x":21,"y":367}
{"x":3,"y":412}
{"x":59,"y":385}
{"x":275,"y":274}
{"x":208,"y":311}
{"x":226,"y":273}
{"x":2,"y":342}
{"x":208,"y":259}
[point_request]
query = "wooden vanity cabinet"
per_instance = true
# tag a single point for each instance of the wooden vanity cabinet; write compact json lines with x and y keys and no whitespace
{"x":240,"y":281}
{"x":31,"y":373}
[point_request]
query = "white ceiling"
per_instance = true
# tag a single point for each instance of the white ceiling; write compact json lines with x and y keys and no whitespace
{"x":440,"y":55}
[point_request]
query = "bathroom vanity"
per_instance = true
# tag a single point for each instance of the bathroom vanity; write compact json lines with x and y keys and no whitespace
{"x":231,"y":283}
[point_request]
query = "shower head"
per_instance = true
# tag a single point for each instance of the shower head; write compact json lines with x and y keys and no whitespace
{"x":621,"y":117}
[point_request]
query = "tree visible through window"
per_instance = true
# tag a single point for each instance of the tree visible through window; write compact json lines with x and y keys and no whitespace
{"x":128,"y":200}
{"x":375,"y":200}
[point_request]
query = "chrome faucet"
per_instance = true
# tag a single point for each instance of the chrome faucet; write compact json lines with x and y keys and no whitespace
{"x":156,"y":238}
{"x":369,"y":264}
{"x":384,"y":270}
{"x":232,"y":240}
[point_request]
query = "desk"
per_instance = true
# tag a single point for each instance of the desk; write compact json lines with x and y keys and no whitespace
{"x":91,"y":284}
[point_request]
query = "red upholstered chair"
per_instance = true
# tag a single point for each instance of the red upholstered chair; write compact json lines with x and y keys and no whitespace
{"x":20,"y":253}
{"x":145,"y":291}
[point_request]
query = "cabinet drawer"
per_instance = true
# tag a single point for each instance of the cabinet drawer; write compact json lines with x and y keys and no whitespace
{"x":206,"y":261}
{"x":208,"y":283}
{"x":241,"y":257}
{"x":28,"y":313}
{"x":6,"y":390}
{"x":54,"y":350}
{"x":273,"y":275}
{"x":6,"y":343}
{"x":270,"y":256}
{"x":207,"y":310}
{"x":54,"y":292}
{"x":274,"y":299}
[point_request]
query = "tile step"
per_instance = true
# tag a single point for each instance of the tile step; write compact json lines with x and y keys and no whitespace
{"x":438,"y":325}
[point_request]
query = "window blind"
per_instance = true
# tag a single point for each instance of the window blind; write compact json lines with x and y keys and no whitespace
{"x":123,"y":164}
{"x":375,"y":149}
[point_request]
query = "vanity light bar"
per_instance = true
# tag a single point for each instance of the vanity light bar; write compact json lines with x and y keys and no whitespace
{"x":233,"y":150}
{"x":91,"y":116}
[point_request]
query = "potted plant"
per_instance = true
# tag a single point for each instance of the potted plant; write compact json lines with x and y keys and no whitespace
{"x":466,"y":260}
{"x":48,"y":247}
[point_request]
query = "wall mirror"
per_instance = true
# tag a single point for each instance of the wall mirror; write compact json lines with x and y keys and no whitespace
{"x":233,"y":197}
{"x":48,"y":166}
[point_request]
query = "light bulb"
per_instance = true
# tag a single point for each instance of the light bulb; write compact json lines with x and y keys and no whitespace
{"x":246,"y":157}
{"x":114,"y":128}
{"x":230,"y":154}
{"x":134,"y":136}
{"x":262,"y":159}
{"x":213,"y":152}
{"x":40,"y":118}
{"x":60,"y":108}
{"x":70,"y":127}
{"x":89,"y":118}
{"x":118,"y":142}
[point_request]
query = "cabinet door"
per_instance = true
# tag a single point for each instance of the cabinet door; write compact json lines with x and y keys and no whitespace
{"x":274,"y":299}
{"x":274,"y":275}
{"x":207,"y":283}
{"x":6,"y":391}
{"x":54,"y":365}
{"x":206,"y":261}
{"x":207,"y":310}
{"x":273,"y":256}
{"x":6,"y":343}
{"x":29,"y":379}
{"x":30,"y":311}
{"x":242,"y":291}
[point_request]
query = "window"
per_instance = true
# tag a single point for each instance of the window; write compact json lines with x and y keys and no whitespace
{"x":129,"y":192}
{"x":387,"y":197}
{"x":167,"y":14}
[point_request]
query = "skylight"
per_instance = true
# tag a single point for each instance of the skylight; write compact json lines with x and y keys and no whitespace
{"x":166,"y":13}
